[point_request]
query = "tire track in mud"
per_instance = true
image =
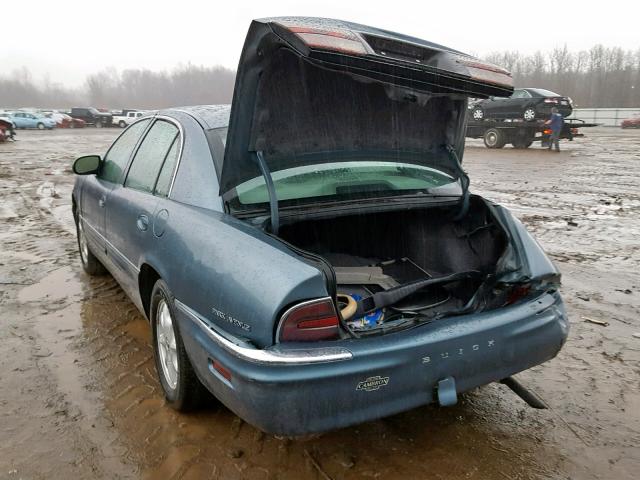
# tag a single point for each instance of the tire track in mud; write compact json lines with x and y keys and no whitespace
{"x":584,"y":211}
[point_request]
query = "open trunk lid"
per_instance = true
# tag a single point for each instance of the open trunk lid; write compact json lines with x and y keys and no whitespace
{"x":312,"y":90}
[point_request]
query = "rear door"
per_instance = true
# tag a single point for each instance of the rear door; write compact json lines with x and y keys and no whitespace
{"x":514,"y":106}
{"x":131,"y":206}
{"x":96,"y":188}
{"x":495,"y":107}
{"x":31,"y":120}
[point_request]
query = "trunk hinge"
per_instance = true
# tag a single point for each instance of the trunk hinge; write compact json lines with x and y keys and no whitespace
{"x":273,"y":199}
{"x":464,"y":183}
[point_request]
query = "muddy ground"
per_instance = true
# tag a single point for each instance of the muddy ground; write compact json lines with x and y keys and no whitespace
{"x":79,"y":396}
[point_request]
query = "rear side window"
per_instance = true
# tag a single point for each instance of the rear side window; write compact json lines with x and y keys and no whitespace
{"x":520,"y":94}
{"x":118,"y":155}
{"x":166,"y":173}
{"x":150,"y":156}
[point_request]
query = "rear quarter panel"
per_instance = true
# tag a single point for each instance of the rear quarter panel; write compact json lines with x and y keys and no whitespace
{"x":230,"y":273}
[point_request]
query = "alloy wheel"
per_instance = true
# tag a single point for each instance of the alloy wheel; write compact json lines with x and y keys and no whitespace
{"x":84,"y":247}
{"x":167,"y":344}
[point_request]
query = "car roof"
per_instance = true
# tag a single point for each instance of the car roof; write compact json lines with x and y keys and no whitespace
{"x":209,"y":116}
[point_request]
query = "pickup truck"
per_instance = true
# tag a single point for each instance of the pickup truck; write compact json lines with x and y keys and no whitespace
{"x":92,"y":116}
{"x":126,"y":117}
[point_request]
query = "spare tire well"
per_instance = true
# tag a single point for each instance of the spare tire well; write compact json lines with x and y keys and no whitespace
{"x":147,"y":278}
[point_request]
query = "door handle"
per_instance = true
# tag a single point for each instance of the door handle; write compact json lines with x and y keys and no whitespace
{"x":101,"y":201}
{"x":143,"y":222}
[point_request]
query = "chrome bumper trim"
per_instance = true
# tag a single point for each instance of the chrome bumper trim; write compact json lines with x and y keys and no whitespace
{"x":271,"y":356}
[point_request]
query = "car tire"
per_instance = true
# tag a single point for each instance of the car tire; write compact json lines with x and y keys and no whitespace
{"x":477,"y":114}
{"x":90,"y":262}
{"x":121,"y":124}
{"x":98,"y":124}
{"x":182,"y":388}
{"x":72,"y":125}
{"x":529,"y":114}
{"x":494,"y":138}
{"x":40,"y":126}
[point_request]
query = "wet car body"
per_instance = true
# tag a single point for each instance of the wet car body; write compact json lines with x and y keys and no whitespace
{"x":527,"y":103}
{"x":203,"y":216}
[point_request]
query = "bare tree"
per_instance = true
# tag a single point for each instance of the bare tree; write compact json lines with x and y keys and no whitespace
{"x":598,"y":77}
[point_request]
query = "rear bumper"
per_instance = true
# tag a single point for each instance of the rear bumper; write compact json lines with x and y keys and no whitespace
{"x":381,"y":376}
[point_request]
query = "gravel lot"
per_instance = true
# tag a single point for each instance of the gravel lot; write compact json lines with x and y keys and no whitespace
{"x":80,"y":399}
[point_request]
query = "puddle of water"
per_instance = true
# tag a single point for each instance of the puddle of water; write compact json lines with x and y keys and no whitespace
{"x":61,"y":331}
{"x":58,"y":285}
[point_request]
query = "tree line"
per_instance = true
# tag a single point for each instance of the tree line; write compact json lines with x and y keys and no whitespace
{"x":599,"y":77}
{"x":132,"y":88}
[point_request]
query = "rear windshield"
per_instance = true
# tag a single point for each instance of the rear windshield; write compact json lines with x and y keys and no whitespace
{"x":344,"y":180}
{"x":543,"y":93}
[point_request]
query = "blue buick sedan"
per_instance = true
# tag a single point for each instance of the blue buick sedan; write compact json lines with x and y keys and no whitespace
{"x":311,"y":255}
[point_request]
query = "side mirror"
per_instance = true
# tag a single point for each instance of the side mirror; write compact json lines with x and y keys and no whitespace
{"x":87,"y":165}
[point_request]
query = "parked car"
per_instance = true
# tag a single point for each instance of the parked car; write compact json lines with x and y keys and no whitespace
{"x":6,"y":129}
{"x":633,"y":122}
{"x":92,"y":116}
{"x":126,"y":117}
{"x":31,"y":120}
{"x":526,"y":103}
{"x":66,"y":121}
{"x":6,"y":116}
{"x":312,"y":255}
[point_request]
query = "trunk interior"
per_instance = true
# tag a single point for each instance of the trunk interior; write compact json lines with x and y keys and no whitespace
{"x":373,"y":252}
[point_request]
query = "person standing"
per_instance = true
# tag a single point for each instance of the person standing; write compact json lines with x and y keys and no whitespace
{"x":555,"y":122}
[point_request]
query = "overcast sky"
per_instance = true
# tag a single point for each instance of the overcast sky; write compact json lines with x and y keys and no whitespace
{"x":64,"y":40}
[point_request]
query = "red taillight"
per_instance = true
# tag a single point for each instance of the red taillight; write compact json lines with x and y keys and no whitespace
{"x":518,"y":293}
{"x":551,"y":100}
{"x":547,"y":131}
{"x":344,"y":41}
{"x":309,"y":322}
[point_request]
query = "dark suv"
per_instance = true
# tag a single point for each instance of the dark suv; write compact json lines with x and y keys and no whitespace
{"x":526,"y":103}
{"x":92,"y":116}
